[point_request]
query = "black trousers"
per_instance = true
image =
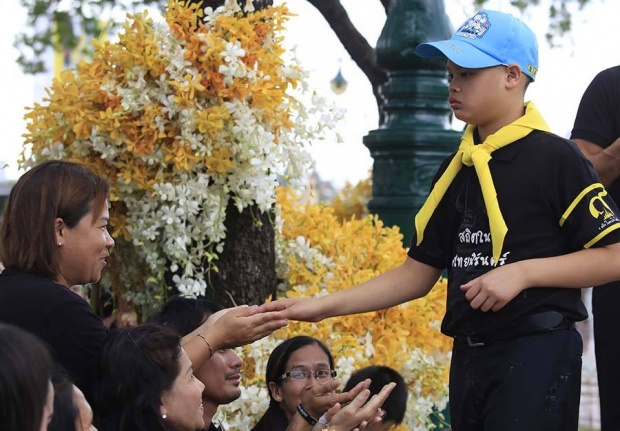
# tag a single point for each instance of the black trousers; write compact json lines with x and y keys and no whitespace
{"x":605,"y":306}
{"x":528,"y":383}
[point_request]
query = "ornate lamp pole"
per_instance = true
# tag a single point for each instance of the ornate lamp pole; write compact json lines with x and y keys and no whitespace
{"x":415,"y":135}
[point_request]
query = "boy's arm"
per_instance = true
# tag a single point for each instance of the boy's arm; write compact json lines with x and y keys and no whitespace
{"x":411,"y":280}
{"x":606,"y":161}
{"x":584,"y":268}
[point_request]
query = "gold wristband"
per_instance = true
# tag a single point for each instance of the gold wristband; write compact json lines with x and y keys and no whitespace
{"x":208,"y":345}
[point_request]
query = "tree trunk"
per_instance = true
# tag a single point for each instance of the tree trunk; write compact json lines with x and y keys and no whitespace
{"x":246,"y":270}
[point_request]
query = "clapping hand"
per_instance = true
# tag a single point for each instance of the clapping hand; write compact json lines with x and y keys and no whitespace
{"x":358,"y":414}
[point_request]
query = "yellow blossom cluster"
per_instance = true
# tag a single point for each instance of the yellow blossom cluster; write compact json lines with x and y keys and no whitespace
{"x":346,"y":253}
{"x":91,"y":100}
{"x":184,"y":116}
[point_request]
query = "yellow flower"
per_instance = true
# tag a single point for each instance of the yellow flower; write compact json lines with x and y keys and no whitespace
{"x":348,"y":252}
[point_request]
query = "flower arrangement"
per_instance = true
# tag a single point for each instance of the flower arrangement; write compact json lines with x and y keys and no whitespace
{"x":183,"y":116}
{"x":316,"y":255}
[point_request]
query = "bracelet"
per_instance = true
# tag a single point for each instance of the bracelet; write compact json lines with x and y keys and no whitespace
{"x":304,"y":414}
{"x":208,"y":345}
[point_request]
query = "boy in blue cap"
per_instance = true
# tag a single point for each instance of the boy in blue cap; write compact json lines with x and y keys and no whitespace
{"x":520,"y":220}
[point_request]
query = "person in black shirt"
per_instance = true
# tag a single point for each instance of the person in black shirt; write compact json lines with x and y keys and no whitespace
{"x":53,"y":236}
{"x":597,"y":133}
{"x":518,"y":218}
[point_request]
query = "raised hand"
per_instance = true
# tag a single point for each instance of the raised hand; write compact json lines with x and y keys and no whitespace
{"x":319,"y":398}
{"x":357,"y":415}
{"x":234,"y":327}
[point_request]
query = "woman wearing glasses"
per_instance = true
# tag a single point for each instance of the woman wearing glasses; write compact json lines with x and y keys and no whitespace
{"x":295,"y":365}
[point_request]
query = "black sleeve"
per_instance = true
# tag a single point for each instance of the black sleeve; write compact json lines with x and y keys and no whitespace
{"x":598,"y":116}
{"x":586,"y":212}
{"x":77,"y":335}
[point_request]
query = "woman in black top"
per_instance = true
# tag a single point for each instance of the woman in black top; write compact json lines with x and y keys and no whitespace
{"x":54,"y":235}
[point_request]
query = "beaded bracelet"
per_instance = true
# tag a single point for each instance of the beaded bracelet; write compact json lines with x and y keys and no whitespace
{"x":208,"y":345}
{"x":304,"y":414}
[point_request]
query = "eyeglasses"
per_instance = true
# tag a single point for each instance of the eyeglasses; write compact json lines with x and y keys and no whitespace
{"x":305,"y":374}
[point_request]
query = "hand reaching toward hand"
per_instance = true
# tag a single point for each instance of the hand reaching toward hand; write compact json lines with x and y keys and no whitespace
{"x":234,"y":327}
{"x":302,"y":309}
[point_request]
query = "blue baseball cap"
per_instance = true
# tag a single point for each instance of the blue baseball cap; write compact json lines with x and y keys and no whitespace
{"x":489,"y":38}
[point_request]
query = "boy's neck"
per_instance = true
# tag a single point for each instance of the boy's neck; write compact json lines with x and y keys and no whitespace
{"x":514,"y":113}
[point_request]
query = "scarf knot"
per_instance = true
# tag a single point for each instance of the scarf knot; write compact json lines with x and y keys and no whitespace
{"x":479,"y":156}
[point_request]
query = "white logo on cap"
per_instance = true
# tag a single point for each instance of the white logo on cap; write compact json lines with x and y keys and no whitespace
{"x":475,"y":27}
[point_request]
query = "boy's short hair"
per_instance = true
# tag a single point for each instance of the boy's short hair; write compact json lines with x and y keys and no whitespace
{"x":489,"y":38}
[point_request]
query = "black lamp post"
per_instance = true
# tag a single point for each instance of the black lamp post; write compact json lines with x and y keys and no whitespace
{"x":415,"y":134}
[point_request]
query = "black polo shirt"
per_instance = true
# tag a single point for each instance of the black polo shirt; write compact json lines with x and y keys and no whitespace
{"x":552,"y":203}
{"x":598,"y":119}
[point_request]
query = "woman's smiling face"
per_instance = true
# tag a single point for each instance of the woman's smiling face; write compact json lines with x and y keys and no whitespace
{"x":84,"y":248}
{"x":182,"y":404}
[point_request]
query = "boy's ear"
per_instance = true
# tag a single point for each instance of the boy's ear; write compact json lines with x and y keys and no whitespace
{"x":513,"y":75}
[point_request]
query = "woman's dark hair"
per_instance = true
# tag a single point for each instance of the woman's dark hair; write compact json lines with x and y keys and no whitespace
{"x":136,"y":366}
{"x":185,"y":314}
{"x":65,"y":412}
{"x":395,"y":405}
{"x":274,"y":418}
{"x":25,"y":366}
{"x":50,"y":190}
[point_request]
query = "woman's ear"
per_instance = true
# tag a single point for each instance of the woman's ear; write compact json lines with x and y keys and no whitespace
{"x":162,"y":408}
{"x":59,"y":226}
{"x":275,"y":391}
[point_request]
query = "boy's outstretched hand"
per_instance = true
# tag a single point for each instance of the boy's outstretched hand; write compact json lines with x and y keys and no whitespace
{"x":303,"y":309}
{"x":493,"y":290}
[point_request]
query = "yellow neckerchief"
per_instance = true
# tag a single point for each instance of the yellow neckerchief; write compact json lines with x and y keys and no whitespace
{"x":479,"y":155}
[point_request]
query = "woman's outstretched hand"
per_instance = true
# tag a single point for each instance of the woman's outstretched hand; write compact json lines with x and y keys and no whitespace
{"x":237,"y":326}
